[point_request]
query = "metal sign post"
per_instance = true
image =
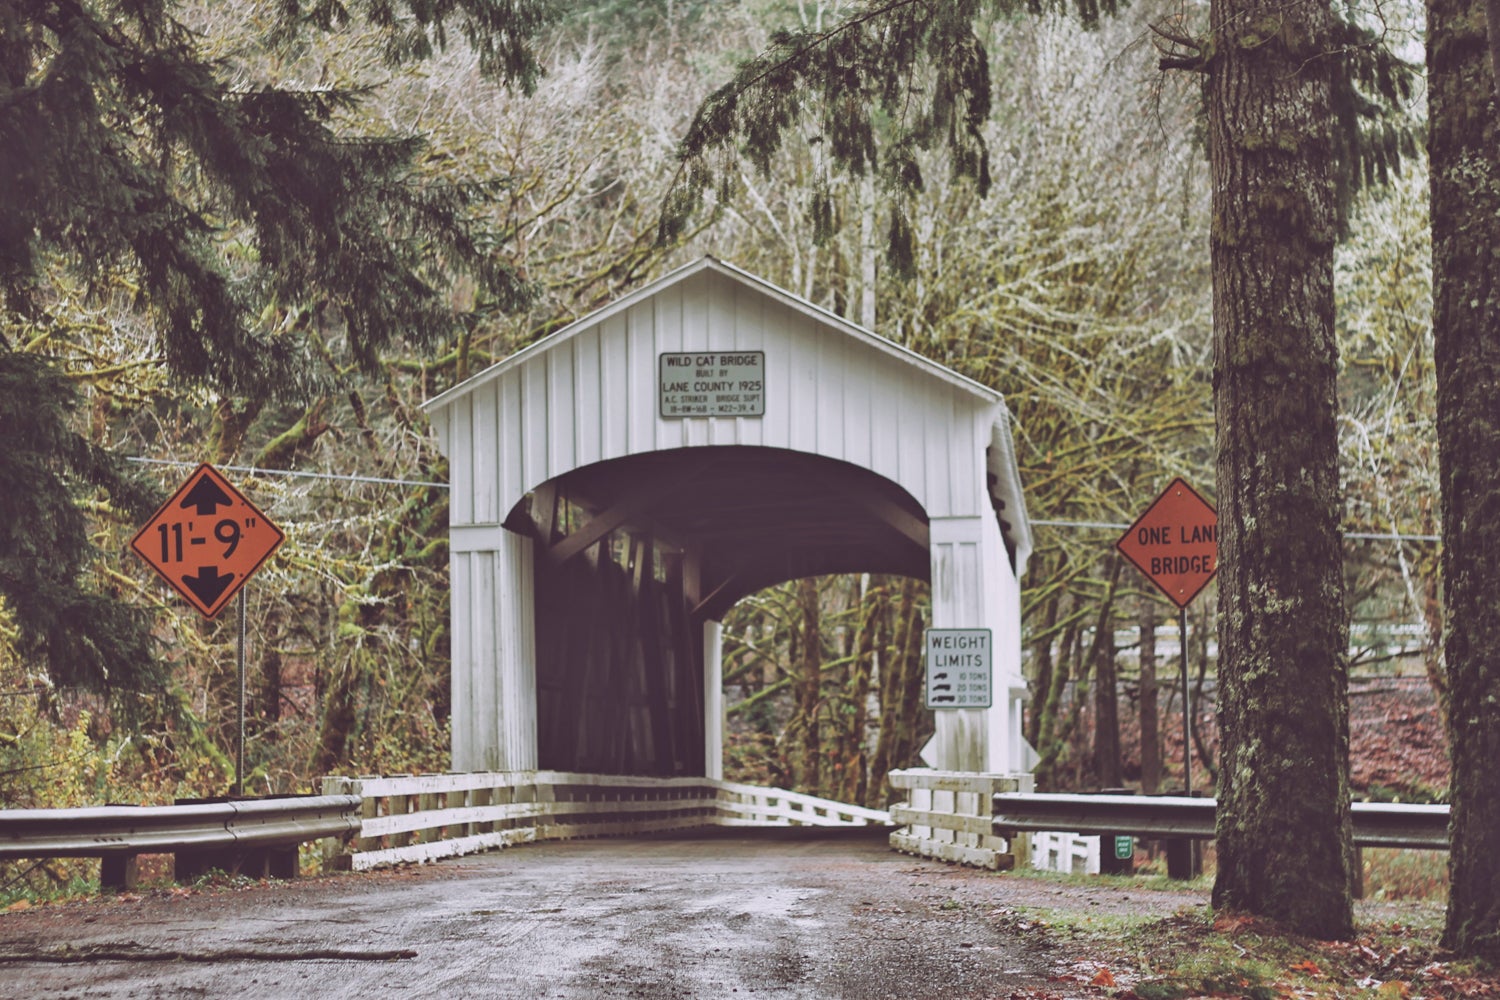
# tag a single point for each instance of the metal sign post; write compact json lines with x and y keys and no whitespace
{"x":239,"y":745}
{"x":1187,"y":715}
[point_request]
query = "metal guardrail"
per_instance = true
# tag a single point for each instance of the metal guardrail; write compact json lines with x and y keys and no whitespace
{"x":200,"y":835}
{"x":1376,"y":824}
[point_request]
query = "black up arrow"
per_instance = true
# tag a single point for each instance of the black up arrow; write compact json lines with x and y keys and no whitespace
{"x":206,"y":496}
{"x":208,"y":585}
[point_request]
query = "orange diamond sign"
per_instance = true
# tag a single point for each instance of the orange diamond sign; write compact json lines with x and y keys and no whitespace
{"x":1175,"y":543}
{"x":207,"y":540}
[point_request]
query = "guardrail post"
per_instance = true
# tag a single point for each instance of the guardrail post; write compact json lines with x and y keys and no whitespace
{"x":1111,"y":861}
{"x":1184,"y":856}
{"x":335,"y":850}
{"x":369,"y":808}
{"x":118,"y":872}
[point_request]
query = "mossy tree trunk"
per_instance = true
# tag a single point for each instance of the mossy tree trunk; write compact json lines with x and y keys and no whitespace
{"x":809,"y":686}
{"x":1464,"y":146}
{"x":1284,"y":848}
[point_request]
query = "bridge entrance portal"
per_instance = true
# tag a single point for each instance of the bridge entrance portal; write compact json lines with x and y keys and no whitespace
{"x":602,"y":522}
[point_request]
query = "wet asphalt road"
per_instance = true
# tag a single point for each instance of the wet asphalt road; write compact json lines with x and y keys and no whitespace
{"x":721,"y":917}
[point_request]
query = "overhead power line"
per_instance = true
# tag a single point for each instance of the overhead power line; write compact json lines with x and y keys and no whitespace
{"x":294,"y":473}
{"x":1378,"y":536}
{"x":253,"y":471}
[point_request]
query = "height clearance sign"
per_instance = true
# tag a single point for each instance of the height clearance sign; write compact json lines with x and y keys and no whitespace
{"x":207,"y":540}
{"x":1175,"y":543}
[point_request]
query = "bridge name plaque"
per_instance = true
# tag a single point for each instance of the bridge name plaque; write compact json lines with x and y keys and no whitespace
{"x":960,"y":667}
{"x":712,"y":384}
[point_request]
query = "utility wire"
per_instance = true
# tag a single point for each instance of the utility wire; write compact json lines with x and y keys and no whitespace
{"x":1378,"y":536}
{"x":253,"y":471}
{"x":1099,"y":525}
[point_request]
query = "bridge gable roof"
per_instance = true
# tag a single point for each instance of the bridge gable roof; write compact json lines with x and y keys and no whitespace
{"x":589,"y":395}
{"x":744,"y":279}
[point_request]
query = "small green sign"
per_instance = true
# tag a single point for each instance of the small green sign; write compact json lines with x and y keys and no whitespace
{"x":1124,"y":846}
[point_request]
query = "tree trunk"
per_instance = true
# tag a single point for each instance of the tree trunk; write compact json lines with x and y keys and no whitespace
{"x":1463,"y":135}
{"x":877,"y":793}
{"x":1284,"y":845}
{"x":1106,"y":686}
{"x":809,"y":687}
{"x":901,"y":690}
{"x":1150,"y":719}
{"x":857,"y":689}
{"x":1041,"y":658}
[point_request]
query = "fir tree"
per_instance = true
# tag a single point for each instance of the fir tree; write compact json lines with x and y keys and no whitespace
{"x":124,"y":149}
{"x":1465,"y":199}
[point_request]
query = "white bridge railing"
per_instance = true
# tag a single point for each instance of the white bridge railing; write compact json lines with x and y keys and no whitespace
{"x":948,"y":815}
{"x":413,"y":818}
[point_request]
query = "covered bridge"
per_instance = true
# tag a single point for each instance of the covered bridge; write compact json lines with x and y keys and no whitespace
{"x":617,"y":486}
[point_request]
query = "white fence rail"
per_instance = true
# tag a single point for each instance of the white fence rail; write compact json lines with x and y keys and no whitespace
{"x":414,"y":818}
{"x":948,"y":816}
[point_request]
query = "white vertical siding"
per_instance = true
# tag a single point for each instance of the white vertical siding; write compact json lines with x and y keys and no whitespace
{"x":750,"y":335}
{"x":614,"y":383}
{"x":859,"y":424}
{"x":484,"y":448}
{"x":532,"y":431}
{"x":640,"y":376}
{"x":516,"y":622}
{"x":590,"y":394}
{"x":511,"y":445}
{"x":462,"y":668}
{"x":594,"y":397}
{"x":588,"y":441}
{"x":461,"y":461}
{"x":484,"y":661}
{"x":828,"y":400}
{"x":563,"y":399}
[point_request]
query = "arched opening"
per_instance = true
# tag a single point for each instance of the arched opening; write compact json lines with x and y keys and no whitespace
{"x":823,"y":683}
{"x":633,"y":557}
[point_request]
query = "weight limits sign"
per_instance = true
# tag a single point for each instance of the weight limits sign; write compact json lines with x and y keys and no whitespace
{"x":712,"y":384}
{"x":207,"y":540}
{"x":960,"y":667}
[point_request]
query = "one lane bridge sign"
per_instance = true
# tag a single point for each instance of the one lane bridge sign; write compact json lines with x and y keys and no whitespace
{"x":1175,"y":543}
{"x":207,"y":540}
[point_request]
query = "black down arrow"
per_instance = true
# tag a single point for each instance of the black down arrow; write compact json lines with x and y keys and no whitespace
{"x":208,"y":585}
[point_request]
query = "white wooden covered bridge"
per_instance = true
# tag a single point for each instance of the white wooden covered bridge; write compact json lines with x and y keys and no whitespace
{"x":620,"y":484}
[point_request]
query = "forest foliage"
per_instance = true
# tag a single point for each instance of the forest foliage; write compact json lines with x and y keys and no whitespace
{"x":1066,"y":266}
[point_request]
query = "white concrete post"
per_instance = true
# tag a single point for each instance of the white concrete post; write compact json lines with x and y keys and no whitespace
{"x":713,"y":700}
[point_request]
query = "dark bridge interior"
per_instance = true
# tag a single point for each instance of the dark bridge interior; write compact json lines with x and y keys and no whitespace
{"x":633,"y":555}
